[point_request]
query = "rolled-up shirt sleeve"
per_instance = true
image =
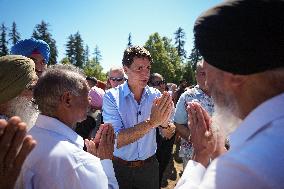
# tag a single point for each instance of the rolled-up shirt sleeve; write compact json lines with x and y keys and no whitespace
{"x":111,"y":113}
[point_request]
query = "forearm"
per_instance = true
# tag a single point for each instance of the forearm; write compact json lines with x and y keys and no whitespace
{"x":130,"y":135}
{"x":182,"y":130}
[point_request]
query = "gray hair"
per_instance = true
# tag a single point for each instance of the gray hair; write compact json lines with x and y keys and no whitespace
{"x":56,"y":80}
{"x":115,"y":69}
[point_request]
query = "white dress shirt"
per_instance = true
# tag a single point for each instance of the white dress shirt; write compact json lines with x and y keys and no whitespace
{"x":59,"y":161}
{"x":256,"y":156}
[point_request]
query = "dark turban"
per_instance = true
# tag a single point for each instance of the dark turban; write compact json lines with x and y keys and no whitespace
{"x":16,"y":72}
{"x":242,"y":36}
{"x":28,"y":46}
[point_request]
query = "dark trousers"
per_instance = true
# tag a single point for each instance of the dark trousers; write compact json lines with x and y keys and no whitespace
{"x":144,"y":177}
{"x":163,"y":153}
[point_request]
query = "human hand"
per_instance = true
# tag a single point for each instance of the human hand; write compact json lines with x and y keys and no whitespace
{"x":15,"y":146}
{"x":169,"y":131}
{"x":161,"y":110}
{"x":203,"y":138}
{"x":102,"y":145}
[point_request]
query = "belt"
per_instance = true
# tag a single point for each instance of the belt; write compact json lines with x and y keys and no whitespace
{"x":134,"y":164}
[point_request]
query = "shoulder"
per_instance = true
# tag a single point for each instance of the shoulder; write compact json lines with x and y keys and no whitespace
{"x":153,"y":91}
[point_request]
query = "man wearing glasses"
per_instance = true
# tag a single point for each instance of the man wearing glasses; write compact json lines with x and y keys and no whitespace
{"x":116,"y":76}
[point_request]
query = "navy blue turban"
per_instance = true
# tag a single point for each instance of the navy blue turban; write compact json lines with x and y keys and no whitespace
{"x":28,"y":46}
{"x":242,"y":36}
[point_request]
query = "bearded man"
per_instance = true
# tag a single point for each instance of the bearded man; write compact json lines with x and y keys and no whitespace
{"x":17,"y":74}
{"x":242,"y":43}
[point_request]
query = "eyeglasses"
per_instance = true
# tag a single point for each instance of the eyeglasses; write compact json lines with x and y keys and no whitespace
{"x":118,"y":79}
{"x":158,"y":83}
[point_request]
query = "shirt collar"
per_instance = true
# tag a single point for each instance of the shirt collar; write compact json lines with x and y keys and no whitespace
{"x":54,"y":125}
{"x":260,"y":117}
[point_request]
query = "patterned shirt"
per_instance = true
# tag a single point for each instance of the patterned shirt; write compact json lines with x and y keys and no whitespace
{"x":181,"y":116}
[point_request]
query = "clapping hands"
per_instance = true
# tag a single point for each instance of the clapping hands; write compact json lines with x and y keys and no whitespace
{"x":102,"y":145}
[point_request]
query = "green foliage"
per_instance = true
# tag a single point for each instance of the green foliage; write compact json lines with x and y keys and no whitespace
{"x":65,"y":61}
{"x":94,"y":69}
{"x":86,"y":54}
{"x":14,"y":34}
{"x":41,"y":31}
{"x":97,"y":54}
{"x":129,"y":44}
{"x":75,"y":50}
{"x":179,"y":42}
{"x":3,"y":41}
{"x":194,"y":57}
{"x":189,"y":73}
{"x":165,"y":57}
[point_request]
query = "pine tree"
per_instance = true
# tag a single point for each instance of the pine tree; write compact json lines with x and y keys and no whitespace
{"x":86,"y":54}
{"x":97,"y":55}
{"x":129,"y":44}
{"x":14,"y":34}
{"x":3,"y":41}
{"x":75,"y":50}
{"x":41,"y":31}
{"x":79,"y":50}
{"x":179,"y":42}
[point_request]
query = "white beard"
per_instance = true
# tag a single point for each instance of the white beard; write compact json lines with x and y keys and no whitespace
{"x":225,"y":110}
{"x":22,"y":107}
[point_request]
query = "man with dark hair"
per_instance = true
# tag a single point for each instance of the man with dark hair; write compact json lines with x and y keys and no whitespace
{"x":59,"y":161}
{"x":135,"y":110}
{"x":92,"y":81}
{"x":36,"y":49}
{"x":242,"y":43}
{"x":164,"y":136}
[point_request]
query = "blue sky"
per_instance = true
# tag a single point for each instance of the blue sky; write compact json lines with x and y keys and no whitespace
{"x":105,"y":23}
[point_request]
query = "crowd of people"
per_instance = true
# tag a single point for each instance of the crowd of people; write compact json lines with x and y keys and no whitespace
{"x":61,"y":129}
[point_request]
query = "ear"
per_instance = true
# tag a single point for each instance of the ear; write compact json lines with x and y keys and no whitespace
{"x":125,"y":69}
{"x":234,"y":80}
{"x":66,"y":99}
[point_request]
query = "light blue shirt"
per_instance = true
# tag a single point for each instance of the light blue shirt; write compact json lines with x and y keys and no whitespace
{"x":122,"y":111}
{"x":256,"y":156}
{"x":59,"y":161}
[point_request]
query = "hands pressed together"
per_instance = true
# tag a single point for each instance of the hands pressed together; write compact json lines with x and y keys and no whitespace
{"x":161,"y":110}
{"x":207,"y":141}
{"x":15,"y":146}
{"x":102,"y":145}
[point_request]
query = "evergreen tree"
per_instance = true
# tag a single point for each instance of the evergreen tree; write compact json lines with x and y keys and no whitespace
{"x":97,"y":54}
{"x":86,"y":54}
{"x":129,"y":44}
{"x":41,"y":31}
{"x":75,"y":50}
{"x":174,"y":58}
{"x":70,"y":49}
{"x":79,"y":50}
{"x":14,"y":34}
{"x":179,"y":42}
{"x":194,"y":57}
{"x":3,"y":41}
